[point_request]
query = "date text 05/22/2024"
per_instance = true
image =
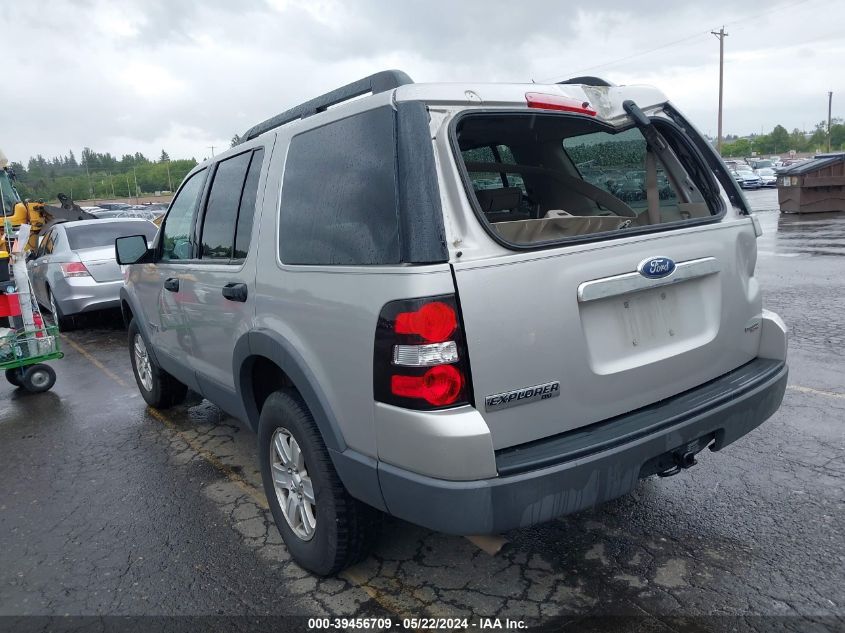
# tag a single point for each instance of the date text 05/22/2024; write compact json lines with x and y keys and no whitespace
{"x":387,"y":624}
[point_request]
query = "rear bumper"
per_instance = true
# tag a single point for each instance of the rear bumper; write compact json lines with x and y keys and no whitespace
{"x":569,"y":472}
{"x":82,"y":294}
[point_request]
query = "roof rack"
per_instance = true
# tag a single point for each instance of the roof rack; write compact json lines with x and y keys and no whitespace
{"x":379,"y":82}
{"x":588,"y":80}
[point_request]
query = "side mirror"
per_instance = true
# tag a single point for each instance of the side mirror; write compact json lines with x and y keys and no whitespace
{"x":131,"y":250}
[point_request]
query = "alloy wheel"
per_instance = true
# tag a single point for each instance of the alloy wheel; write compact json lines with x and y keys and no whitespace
{"x":142,"y":363}
{"x":292,"y":483}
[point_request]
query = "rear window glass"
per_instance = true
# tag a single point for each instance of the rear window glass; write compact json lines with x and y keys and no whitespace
{"x":97,"y":234}
{"x":339,"y":200}
{"x":544,"y":178}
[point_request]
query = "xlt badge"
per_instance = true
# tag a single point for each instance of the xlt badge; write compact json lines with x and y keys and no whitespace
{"x":522,"y":396}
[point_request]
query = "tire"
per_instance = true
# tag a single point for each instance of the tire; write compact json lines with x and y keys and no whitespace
{"x":64,"y":323}
{"x":38,"y":378}
{"x":158,"y":388}
{"x":344,"y":528}
{"x":15,"y":376}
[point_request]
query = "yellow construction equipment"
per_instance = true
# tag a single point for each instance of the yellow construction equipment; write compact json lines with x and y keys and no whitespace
{"x":14,"y":212}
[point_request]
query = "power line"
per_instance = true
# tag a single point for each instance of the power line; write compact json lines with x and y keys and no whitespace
{"x":683,"y":40}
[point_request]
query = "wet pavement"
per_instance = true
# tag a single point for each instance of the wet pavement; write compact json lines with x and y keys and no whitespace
{"x":110,"y":508}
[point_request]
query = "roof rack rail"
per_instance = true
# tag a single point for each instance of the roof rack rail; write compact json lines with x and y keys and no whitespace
{"x":379,"y":82}
{"x":588,"y":80}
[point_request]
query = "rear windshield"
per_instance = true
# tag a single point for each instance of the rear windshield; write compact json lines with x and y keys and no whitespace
{"x":543,"y":178}
{"x":95,"y":235}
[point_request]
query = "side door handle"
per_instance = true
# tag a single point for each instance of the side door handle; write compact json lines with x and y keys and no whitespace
{"x":171,"y":284}
{"x":235,"y":292}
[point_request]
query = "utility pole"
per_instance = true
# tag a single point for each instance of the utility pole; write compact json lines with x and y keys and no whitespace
{"x":829,"y":110}
{"x":169,"y":182}
{"x":135,"y":176}
{"x":91,"y":187}
{"x":211,"y":147}
{"x":721,"y":35}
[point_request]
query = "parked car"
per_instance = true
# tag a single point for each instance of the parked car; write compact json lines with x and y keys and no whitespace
{"x":768,"y":177}
{"x":761,"y":163}
{"x":746,"y":177}
{"x":116,"y":206}
{"x":73,"y":270}
{"x":469,"y":358}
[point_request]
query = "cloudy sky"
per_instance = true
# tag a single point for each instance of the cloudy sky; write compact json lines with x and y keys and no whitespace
{"x":142,"y":75}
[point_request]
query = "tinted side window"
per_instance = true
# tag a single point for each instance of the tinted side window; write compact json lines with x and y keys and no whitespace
{"x":339,"y":202}
{"x":176,"y":230}
{"x":221,"y":212}
{"x":246,"y":211}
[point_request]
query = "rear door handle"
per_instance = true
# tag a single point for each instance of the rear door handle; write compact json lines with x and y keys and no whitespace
{"x":235,"y":292}
{"x":171,"y":284}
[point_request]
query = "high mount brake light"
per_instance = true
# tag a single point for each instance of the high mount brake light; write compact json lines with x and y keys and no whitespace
{"x":75,"y":269}
{"x":420,"y":359}
{"x":556,"y":102}
{"x":434,"y":321}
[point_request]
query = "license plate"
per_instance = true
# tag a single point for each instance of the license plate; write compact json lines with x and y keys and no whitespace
{"x":650,"y":317}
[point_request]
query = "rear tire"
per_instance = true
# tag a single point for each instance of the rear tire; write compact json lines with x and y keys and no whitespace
{"x":15,"y":376}
{"x":158,"y":388}
{"x":64,"y":323}
{"x":38,"y":378}
{"x":344,"y":528}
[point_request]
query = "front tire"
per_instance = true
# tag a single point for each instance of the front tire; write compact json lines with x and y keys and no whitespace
{"x":324,"y":528}
{"x":38,"y":378}
{"x":158,"y":388}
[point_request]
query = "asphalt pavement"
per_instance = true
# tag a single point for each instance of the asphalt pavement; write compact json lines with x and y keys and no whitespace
{"x":109,"y":508}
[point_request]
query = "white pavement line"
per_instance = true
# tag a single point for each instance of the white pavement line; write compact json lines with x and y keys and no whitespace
{"x":816,"y":392}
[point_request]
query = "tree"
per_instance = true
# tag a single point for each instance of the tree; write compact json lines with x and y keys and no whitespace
{"x":164,"y":157}
{"x":235,"y":140}
{"x":740,"y":147}
{"x":779,"y":139}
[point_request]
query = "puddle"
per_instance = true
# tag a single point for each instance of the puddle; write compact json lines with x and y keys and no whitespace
{"x":796,"y":235}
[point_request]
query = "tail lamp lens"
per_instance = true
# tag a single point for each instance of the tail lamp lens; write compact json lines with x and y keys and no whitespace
{"x":438,"y":386}
{"x":434,"y":322}
{"x":75,"y":269}
{"x":420,"y":359}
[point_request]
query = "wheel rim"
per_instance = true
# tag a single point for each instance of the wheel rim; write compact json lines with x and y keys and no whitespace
{"x":292,"y":482}
{"x":39,"y":379}
{"x":142,"y":363}
{"x":53,"y":310}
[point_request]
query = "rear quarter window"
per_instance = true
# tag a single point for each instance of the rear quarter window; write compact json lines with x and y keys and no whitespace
{"x":339,"y":193}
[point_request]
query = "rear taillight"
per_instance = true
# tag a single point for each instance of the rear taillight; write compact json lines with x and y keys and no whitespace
{"x":75,"y":269}
{"x":420,"y":359}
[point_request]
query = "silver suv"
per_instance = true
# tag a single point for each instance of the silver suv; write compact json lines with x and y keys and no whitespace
{"x":475,"y":307}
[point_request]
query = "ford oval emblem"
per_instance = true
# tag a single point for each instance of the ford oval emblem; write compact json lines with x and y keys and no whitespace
{"x":656,"y":267}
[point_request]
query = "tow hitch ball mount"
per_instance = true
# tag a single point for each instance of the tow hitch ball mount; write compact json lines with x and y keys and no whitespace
{"x":682,"y":462}
{"x":681,"y":458}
